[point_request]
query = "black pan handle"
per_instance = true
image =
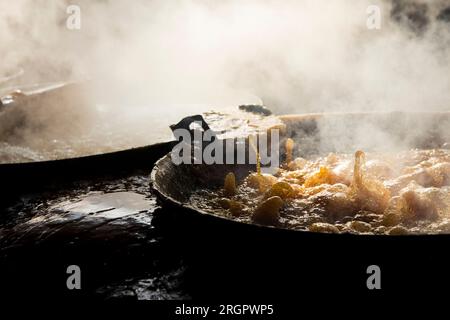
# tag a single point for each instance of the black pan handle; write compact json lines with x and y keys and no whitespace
{"x":186,"y":122}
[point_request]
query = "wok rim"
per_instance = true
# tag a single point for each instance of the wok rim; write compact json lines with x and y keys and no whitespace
{"x":83,"y":157}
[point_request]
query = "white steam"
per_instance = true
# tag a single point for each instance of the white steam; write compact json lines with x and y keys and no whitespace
{"x":300,"y":55}
{"x":296,"y":55}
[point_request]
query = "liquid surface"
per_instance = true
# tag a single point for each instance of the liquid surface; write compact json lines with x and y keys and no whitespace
{"x":376,"y":193}
{"x":107,"y":130}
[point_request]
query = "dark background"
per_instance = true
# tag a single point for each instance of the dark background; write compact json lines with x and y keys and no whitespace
{"x":172,"y":254}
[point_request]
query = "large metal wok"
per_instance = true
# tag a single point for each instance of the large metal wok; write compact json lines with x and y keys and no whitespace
{"x":94,"y":134}
{"x":315,"y":134}
{"x":276,"y":258}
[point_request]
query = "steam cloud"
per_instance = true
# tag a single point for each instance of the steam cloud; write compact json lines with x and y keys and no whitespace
{"x":297,"y":56}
